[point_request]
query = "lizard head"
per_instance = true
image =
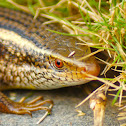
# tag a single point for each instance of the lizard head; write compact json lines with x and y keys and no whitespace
{"x":67,"y":67}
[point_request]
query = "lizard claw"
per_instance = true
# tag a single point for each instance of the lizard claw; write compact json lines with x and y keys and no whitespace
{"x":9,"y":106}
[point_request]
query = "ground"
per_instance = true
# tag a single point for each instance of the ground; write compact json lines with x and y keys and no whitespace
{"x":63,"y":113}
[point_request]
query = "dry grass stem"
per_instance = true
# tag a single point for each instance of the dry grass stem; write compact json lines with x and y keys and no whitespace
{"x":45,"y":115}
{"x":24,"y":8}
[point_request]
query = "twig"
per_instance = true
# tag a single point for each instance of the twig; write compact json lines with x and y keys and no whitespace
{"x":44,"y":116}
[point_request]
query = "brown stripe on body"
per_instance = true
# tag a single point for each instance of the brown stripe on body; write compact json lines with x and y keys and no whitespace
{"x":29,"y":52}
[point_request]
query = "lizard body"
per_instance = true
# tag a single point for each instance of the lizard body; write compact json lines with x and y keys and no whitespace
{"x":31,"y":57}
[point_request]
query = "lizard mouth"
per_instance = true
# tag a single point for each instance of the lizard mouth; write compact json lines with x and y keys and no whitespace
{"x":89,"y":69}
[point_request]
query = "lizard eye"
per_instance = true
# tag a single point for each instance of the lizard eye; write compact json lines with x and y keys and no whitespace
{"x":58,"y":63}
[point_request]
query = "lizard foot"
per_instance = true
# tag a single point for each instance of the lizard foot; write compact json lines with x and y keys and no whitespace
{"x":9,"y":106}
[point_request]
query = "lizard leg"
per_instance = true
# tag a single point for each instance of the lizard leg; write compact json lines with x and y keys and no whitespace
{"x":9,"y":106}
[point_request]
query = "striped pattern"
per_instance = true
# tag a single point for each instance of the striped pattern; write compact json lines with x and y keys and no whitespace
{"x":28,"y":52}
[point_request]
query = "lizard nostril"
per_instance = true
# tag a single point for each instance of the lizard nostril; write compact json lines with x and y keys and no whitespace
{"x":84,"y":69}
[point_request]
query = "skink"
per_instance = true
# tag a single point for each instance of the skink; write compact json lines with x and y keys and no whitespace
{"x":31,"y":57}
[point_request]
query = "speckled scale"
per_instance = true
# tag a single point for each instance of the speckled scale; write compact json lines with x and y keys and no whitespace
{"x":28,"y":52}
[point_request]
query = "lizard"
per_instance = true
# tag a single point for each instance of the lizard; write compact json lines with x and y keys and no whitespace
{"x":32,"y":57}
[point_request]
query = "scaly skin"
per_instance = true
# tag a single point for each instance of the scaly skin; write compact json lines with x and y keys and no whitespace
{"x":31,"y":57}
